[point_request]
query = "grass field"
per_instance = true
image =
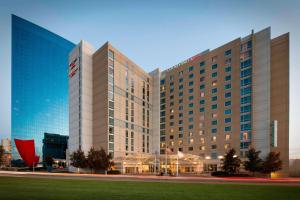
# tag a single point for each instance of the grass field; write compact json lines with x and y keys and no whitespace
{"x":42,"y":188}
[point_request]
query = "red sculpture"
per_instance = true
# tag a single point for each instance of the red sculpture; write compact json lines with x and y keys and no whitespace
{"x":26,"y":150}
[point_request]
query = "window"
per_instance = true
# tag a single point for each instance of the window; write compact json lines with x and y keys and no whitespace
{"x":246,"y":72}
{"x":214,"y":90}
{"x":228,"y":69}
{"x":213,"y":107}
{"x":191,"y":68}
{"x":191,"y":83}
{"x":214,"y":75}
{"x":202,"y":71}
{"x":227,"y":137}
{"x":214,"y":130}
{"x":228,"y":78}
{"x":245,"y":100}
{"x":245,"y":91}
{"x":227,"y":86}
{"x":180,"y":80}
{"x":171,"y":77}
{"x":214,"y":138}
{"x":228,"y":61}
{"x":191,"y":98}
{"x":227,"y":120}
{"x":214,"y":83}
{"x":202,"y":63}
{"x":214,"y":66}
{"x":227,"y":52}
{"x":202,"y":79}
{"x":191,"y":148}
{"x":191,"y":105}
{"x":191,"y":112}
{"x":201,"y":110}
{"x":191,"y":90}
{"x":227,"y":111}
{"x":202,"y":87}
{"x":180,"y":94}
{"x":245,"y":109}
{"x":245,"y":127}
{"x":191,"y":76}
{"x":214,"y":98}
{"x":227,"y":103}
{"x":227,"y":128}
{"x":227,"y":95}
{"x":214,"y":59}
{"x":246,"y":81}
{"x":246,"y":118}
{"x":202,"y":102}
{"x":246,"y":63}
{"x":214,"y":122}
{"x":214,"y":147}
{"x":180,"y":87}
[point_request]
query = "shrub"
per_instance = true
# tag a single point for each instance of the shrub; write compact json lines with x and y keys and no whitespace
{"x":220,"y":173}
{"x":113,"y":172}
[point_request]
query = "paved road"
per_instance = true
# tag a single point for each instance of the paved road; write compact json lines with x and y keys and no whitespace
{"x":151,"y":178}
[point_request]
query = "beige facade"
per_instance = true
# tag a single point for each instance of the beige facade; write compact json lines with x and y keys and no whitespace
{"x":280,"y":96}
{"x":235,"y":96}
{"x":117,"y":98}
{"x":229,"y":97}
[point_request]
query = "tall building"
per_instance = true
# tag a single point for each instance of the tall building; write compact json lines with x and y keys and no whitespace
{"x":235,"y":96}
{"x":111,"y":106}
{"x":39,"y":83}
{"x":55,"y":146}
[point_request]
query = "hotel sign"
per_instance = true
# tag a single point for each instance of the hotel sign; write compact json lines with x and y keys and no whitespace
{"x":73,"y":67}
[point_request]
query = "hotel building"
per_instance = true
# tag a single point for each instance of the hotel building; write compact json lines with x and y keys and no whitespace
{"x":112,"y":106}
{"x":235,"y":96}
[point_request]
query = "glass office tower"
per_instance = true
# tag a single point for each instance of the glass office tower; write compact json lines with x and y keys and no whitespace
{"x":39,"y":83}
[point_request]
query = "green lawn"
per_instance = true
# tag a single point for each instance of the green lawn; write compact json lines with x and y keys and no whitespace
{"x":43,"y":189}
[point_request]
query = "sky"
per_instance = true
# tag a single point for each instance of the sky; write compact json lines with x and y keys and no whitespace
{"x":155,"y":34}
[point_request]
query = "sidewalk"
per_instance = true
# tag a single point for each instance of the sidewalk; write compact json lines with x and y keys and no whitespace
{"x":152,"y":178}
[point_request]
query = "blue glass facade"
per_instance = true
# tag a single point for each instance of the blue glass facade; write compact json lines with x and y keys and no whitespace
{"x":39,"y":83}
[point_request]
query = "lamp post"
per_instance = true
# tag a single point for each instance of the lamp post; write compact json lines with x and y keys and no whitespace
{"x":166,"y":161}
{"x":177,"y":165}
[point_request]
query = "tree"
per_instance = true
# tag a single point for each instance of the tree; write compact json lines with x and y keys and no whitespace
{"x":254,"y":162}
{"x":272,"y":163}
{"x":106,"y":160}
{"x":78,"y":159}
{"x":1,"y":155}
{"x":93,"y":159}
{"x":99,"y":160}
{"x":231,"y":162}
